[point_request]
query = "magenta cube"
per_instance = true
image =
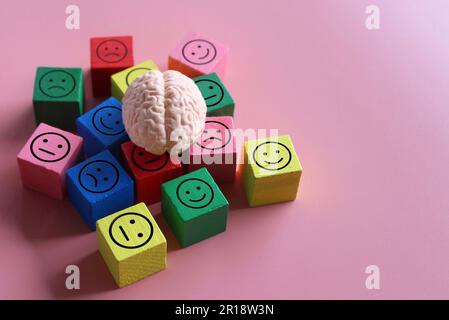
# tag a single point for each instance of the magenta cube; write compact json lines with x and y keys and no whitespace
{"x":45,"y":157}
{"x":197,"y":55}
{"x":215,"y":149}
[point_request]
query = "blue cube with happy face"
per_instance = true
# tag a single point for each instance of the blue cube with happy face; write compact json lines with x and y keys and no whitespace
{"x":99,"y":186}
{"x":102,"y":128}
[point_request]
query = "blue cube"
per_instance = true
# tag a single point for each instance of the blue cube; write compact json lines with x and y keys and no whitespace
{"x":102,"y":128}
{"x":99,"y":186}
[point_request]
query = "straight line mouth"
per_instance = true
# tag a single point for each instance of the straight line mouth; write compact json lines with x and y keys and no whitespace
{"x":46,"y":151}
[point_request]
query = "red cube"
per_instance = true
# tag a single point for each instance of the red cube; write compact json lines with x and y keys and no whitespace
{"x":149,"y":171}
{"x":108,"y":55}
{"x":215,"y":150}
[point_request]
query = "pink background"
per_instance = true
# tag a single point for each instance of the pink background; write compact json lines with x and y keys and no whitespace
{"x":368,"y":113}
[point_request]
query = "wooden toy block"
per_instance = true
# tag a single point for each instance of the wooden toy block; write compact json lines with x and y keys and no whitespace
{"x":99,"y":186}
{"x":102,"y":128}
{"x":197,"y":55}
{"x":108,"y":55}
{"x":149,"y":171}
{"x":215,"y":150}
{"x":132,"y":245}
{"x":121,"y":80}
{"x":271,"y":171}
{"x":45,"y":157}
{"x":194,"y":207}
{"x":58,"y":97}
{"x":218,"y":100}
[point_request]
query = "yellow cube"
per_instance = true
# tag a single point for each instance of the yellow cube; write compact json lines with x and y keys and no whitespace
{"x":271,"y":171}
{"x":132,"y":245}
{"x":121,"y":80}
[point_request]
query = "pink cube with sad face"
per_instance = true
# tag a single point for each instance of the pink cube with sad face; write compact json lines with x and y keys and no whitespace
{"x":215,"y":149}
{"x":46,"y":156}
{"x":197,"y":55}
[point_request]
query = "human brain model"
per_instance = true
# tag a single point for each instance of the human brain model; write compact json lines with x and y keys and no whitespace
{"x":163,"y":111}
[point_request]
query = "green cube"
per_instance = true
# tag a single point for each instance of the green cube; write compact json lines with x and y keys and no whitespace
{"x":58,"y":97}
{"x":194,"y":207}
{"x":218,"y":100}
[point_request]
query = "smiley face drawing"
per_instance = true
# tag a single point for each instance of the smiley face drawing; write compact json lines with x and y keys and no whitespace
{"x":112,"y":51}
{"x":57,"y":83}
{"x":98,"y":176}
{"x":50,"y":147}
{"x":146,"y":161}
{"x":131,"y":230}
{"x":108,"y":120}
{"x":212,"y":91}
{"x":272,"y":155}
{"x":216,"y":135}
{"x":134,"y":73}
{"x":195,"y":193}
{"x":199,"y":51}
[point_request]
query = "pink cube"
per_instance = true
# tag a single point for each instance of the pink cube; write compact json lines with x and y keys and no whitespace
{"x":197,"y":55}
{"x":215,"y":149}
{"x":45,"y":158}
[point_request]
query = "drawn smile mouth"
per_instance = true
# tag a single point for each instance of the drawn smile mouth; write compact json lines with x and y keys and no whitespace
{"x":205,"y":56}
{"x":46,"y":151}
{"x":274,"y":162}
{"x":56,"y":87}
{"x":210,"y":97}
{"x":212,"y":138}
{"x":93,"y":177}
{"x":200,"y":199}
{"x":102,"y":122}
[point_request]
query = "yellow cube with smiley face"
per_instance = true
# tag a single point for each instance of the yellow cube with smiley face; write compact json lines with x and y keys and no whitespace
{"x":131,"y":244}
{"x":272,"y":170}
{"x":120,"y":81}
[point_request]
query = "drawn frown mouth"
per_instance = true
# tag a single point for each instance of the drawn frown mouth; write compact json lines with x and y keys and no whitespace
{"x":112,"y":54}
{"x":200,"y":199}
{"x":102,"y":122}
{"x":93,"y":177}
{"x":274,"y":162}
{"x":46,"y":151}
{"x":212,"y":138}
{"x":56,"y":87}
{"x":205,"y":56}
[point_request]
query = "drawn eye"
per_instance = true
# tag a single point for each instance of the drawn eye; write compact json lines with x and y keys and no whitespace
{"x":140,"y":154}
{"x":117,"y":122}
{"x":132,"y":221}
{"x":140,"y":235}
{"x":265,"y":154}
{"x":218,"y":131}
{"x":198,"y":188}
{"x":63,"y":80}
{"x":277,"y":151}
{"x":51,"y":80}
{"x":210,"y":87}
{"x":45,"y":140}
{"x":59,"y":146}
{"x":109,"y":114}
{"x":187,"y":192}
{"x":106,"y":179}
{"x":98,"y":169}
{"x":199,"y":47}
{"x":205,"y":131}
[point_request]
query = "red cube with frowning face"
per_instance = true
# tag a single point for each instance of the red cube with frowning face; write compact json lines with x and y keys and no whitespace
{"x":149,"y":171}
{"x":109,"y":55}
{"x":215,"y":150}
